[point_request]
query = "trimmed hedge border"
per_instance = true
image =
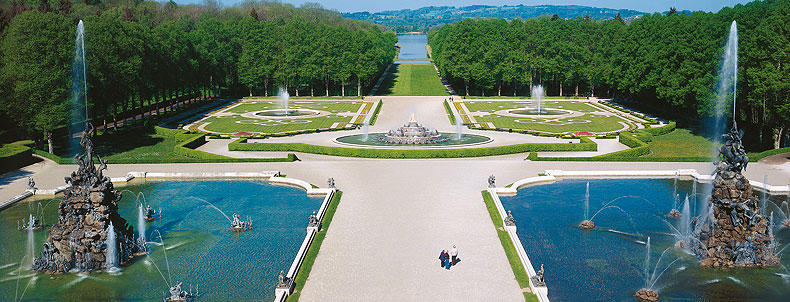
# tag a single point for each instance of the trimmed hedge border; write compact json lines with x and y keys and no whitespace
{"x":637,"y":141}
{"x":307,"y":265}
{"x":755,"y":156}
{"x":510,"y":250}
{"x":585,"y":144}
{"x":14,"y":156}
{"x":449,"y":112}
{"x":375,"y":114}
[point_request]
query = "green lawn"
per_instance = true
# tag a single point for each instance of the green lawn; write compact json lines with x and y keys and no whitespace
{"x":593,"y":120}
{"x":680,"y":143}
{"x":229,"y":119}
{"x":412,"y":80}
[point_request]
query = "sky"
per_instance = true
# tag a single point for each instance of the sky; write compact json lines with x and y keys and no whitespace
{"x":640,"y":5}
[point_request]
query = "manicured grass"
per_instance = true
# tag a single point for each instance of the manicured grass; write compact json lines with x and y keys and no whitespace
{"x":229,"y":120}
{"x":315,"y":247}
{"x":412,"y":80}
{"x":680,"y":143}
{"x":593,"y":120}
{"x":510,"y":250}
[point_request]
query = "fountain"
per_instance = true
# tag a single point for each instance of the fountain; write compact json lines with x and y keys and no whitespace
{"x":86,"y":216}
{"x":111,"y":255}
{"x":413,"y":133}
{"x":284,"y":96}
{"x":587,"y":223}
{"x":733,"y":232}
{"x":537,"y":95}
{"x":674,"y":213}
{"x":459,"y":128}
{"x":33,"y":224}
{"x":151,"y":214}
{"x":176,"y":294}
{"x":365,"y":131}
{"x":239,"y":225}
{"x":648,"y":292}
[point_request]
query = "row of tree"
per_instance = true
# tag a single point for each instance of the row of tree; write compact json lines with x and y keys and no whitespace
{"x":143,"y":56}
{"x":668,"y":63}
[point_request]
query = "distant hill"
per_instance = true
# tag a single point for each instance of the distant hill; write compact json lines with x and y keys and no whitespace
{"x":422,"y":19}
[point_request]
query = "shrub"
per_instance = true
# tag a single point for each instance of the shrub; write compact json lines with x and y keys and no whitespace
{"x":585,"y":144}
{"x":14,"y":156}
{"x":375,"y":113}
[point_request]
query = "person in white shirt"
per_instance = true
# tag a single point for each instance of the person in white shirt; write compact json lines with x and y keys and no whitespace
{"x":453,"y":254}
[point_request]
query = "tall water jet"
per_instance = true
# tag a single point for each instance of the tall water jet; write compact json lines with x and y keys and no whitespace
{"x":365,"y":130}
{"x":111,"y":252}
{"x":537,"y":95}
{"x":728,"y":80}
{"x":737,"y":234}
{"x":79,"y":85}
{"x":141,"y":225}
{"x":283,"y":94}
{"x":587,"y":223}
{"x":674,"y":213}
{"x":30,"y":247}
{"x":459,"y":128}
{"x":765,"y":190}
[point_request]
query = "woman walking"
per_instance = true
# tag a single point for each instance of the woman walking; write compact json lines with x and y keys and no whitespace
{"x":443,"y":258}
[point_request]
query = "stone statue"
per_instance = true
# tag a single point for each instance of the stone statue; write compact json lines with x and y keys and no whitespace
{"x":331,"y":183}
{"x":313,"y":221}
{"x":239,"y":225}
{"x":31,"y":184}
{"x":540,"y":274}
{"x":283,"y":281}
{"x":732,"y":152}
{"x":509,"y":220}
{"x":492,"y":181}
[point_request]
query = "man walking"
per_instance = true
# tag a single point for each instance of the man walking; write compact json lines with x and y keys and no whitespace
{"x":454,"y":254}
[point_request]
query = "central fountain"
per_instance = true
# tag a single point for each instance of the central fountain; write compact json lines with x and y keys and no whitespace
{"x":413,"y":133}
{"x":90,"y":234}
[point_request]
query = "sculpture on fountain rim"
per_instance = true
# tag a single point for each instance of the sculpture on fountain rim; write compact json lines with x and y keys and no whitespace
{"x":89,"y":206}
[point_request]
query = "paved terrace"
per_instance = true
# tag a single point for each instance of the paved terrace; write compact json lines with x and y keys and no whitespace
{"x":395,"y":217}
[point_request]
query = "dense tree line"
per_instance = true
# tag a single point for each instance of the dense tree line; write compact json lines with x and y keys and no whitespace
{"x":668,"y":63}
{"x":144,"y":55}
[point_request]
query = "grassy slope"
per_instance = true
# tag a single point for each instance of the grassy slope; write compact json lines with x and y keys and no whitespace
{"x":510,"y":250}
{"x":413,"y":80}
{"x":315,"y":247}
{"x":680,"y":143}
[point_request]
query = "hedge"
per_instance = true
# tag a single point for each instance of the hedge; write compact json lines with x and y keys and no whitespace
{"x":755,"y":156}
{"x":585,"y":144}
{"x":449,"y":112}
{"x":657,"y":131}
{"x":14,"y":156}
{"x":375,"y":113}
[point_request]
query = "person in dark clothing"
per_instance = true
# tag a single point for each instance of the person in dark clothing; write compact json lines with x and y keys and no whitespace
{"x":443,"y":256}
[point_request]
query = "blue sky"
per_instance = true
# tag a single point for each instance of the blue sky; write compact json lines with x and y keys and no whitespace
{"x":640,"y":5}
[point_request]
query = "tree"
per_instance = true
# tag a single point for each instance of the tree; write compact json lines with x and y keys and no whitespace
{"x":64,"y":7}
{"x":37,"y":51}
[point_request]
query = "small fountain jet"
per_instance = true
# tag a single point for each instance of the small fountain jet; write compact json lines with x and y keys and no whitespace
{"x":33,"y":223}
{"x":239,"y":225}
{"x":177,"y":294}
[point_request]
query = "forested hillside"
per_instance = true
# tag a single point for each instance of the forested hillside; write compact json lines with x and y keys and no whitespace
{"x":143,"y":54}
{"x":665,"y":63}
{"x":422,"y":19}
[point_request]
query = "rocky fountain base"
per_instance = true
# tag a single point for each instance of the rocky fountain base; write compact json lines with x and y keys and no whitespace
{"x":90,"y":234}
{"x":587,"y":225}
{"x":734,"y":233}
{"x":674,"y":214}
{"x":646,"y":295}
